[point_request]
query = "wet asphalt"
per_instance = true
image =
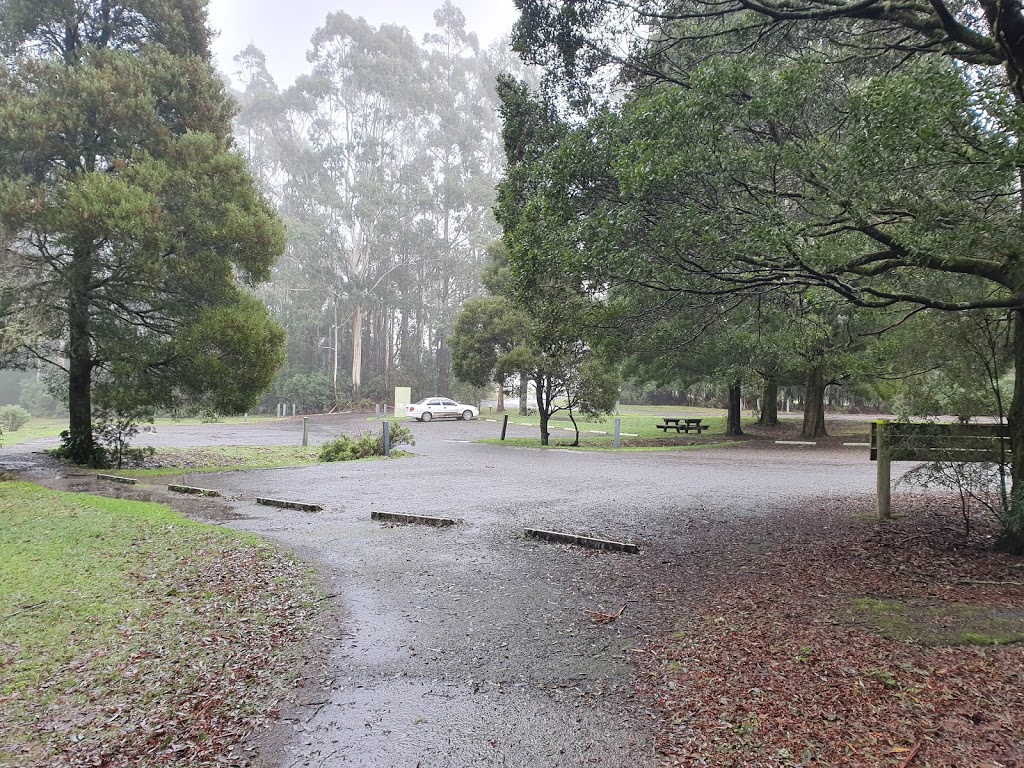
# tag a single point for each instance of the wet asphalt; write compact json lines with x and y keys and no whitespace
{"x":473,"y":645}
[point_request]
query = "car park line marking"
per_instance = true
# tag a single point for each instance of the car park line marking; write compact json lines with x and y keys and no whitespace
{"x":857,"y":445}
{"x":299,"y":505}
{"x":582,"y":541}
{"x":118,"y":479}
{"x":795,"y":442}
{"x":463,"y":442}
{"x":399,"y":517}
{"x":193,"y":490}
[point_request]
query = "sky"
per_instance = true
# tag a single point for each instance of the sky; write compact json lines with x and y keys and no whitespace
{"x":282,"y":29}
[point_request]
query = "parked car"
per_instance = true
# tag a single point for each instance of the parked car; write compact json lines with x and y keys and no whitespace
{"x":440,"y":408}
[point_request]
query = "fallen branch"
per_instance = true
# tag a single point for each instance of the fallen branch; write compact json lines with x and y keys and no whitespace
{"x":23,"y":609}
{"x":991,"y":583}
{"x":912,"y":755}
{"x":606,"y":618}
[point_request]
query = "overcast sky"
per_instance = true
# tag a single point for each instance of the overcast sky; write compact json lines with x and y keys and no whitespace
{"x":282,"y":29}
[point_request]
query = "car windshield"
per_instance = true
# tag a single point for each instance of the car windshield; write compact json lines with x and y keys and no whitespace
{"x":422,"y":402}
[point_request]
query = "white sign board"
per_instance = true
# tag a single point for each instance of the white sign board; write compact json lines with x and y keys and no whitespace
{"x":403,"y":397}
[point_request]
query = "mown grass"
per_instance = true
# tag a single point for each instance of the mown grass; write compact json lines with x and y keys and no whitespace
{"x":37,"y":427}
{"x":638,"y":423}
{"x":224,"y":458}
{"x":33,"y":429}
{"x":104,"y":603}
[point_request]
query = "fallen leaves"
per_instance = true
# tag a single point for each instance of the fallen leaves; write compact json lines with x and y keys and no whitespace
{"x":774,"y":667}
{"x":194,"y":671}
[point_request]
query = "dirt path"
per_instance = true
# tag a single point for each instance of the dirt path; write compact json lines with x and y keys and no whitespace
{"x":472,"y":646}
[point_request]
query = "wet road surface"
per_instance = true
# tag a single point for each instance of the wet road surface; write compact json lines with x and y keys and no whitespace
{"x":471,"y":645}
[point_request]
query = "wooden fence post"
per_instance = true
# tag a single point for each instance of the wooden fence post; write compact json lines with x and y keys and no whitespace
{"x":884,"y":473}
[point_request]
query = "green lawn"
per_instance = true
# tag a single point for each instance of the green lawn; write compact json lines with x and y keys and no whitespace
{"x":33,"y":429}
{"x":225,"y":458}
{"x":52,"y":427}
{"x":639,"y":426}
{"x":123,"y":625}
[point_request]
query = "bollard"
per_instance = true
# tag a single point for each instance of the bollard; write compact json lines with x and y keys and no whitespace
{"x":245,"y":418}
{"x":305,"y":431}
{"x":293,"y":410}
{"x":618,"y":432}
{"x":376,"y":411}
{"x":387,"y":438}
{"x":504,"y":426}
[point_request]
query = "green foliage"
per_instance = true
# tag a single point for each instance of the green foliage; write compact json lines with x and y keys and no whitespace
{"x":131,"y":267}
{"x":311,"y":392}
{"x":81,"y":449}
{"x":35,"y":397}
{"x":13,"y":417}
{"x":365,"y":445}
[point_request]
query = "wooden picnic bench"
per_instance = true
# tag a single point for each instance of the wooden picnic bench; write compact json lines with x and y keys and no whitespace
{"x":682,"y":425}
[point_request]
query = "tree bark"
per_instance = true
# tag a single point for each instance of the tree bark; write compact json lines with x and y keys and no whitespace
{"x":501,"y":397}
{"x":81,"y":445}
{"x":1011,"y":539}
{"x":357,"y":351}
{"x":733,"y":426}
{"x":444,"y":370}
{"x":524,"y":392}
{"x":542,"y":409}
{"x":769,"y":416}
{"x":814,"y":405}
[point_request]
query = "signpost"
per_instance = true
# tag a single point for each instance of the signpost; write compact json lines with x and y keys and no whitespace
{"x":898,"y":441}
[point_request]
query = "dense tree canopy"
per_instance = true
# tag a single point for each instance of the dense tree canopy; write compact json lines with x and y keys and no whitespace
{"x":131,"y":224}
{"x":383,"y":161}
{"x":748,"y":147}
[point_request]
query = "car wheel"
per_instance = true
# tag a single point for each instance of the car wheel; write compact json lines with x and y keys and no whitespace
{"x":427,"y":416}
{"x":467,"y":415}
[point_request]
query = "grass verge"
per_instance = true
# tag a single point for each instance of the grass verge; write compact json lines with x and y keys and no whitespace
{"x":223,"y":458}
{"x":132,"y":636}
{"x":33,"y":429}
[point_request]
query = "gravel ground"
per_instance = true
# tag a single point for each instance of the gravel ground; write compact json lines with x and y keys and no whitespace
{"x":473,"y":646}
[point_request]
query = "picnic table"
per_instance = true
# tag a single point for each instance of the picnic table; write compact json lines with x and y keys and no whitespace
{"x":681,"y":425}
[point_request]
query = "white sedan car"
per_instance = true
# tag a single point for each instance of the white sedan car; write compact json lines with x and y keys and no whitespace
{"x":440,"y":408}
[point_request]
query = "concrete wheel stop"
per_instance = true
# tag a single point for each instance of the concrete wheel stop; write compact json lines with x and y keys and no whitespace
{"x":118,"y":479}
{"x":582,"y":541}
{"x":299,"y":505}
{"x":193,"y":490}
{"x":399,"y":517}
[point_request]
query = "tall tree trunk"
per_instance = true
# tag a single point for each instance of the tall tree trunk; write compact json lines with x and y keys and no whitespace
{"x":814,"y":405}
{"x":444,"y":369}
{"x":357,"y":351}
{"x":733,"y":426}
{"x":542,"y":408}
{"x":524,"y":393}
{"x":80,"y":364}
{"x":769,"y":416}
{"x":335,"y":354}
{"x":501,"y":397}
{"x":1011,"y":539}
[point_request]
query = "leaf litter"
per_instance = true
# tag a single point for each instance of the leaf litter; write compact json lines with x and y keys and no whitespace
{"x":775,"y":653}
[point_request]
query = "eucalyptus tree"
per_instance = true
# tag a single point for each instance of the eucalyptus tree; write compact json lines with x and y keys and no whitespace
{"x":460,"y":144}
{"x":361,"y":108}
{"x":131,"y":223}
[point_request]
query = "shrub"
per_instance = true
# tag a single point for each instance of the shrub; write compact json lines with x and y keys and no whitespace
{"x":349,"y":447}
{"x":13,"y":417}
{"x":35,"y":397}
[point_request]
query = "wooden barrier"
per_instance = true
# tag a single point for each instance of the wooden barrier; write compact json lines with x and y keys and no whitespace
{"x":898,"y":441}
